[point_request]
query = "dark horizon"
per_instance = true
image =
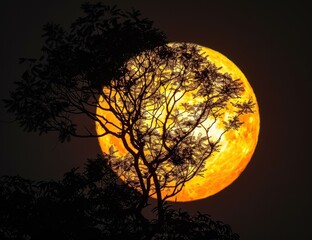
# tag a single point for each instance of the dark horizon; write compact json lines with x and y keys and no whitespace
{"x":269,"y":42}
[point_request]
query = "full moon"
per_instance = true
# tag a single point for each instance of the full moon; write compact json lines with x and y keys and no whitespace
{"x":236,"y":146}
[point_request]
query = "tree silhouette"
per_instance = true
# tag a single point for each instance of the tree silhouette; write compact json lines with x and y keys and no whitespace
{"x":90,"y":204}
{"x":116,"y":62}
{"x":167,"y":138}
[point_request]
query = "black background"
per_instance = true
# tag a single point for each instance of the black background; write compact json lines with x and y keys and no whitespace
{"x":269,"y":42}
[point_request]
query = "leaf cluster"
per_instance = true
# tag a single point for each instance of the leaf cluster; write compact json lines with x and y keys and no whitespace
{"x":181,"y":225}
{"x":75,"y":65}
{"x":91,"y":204}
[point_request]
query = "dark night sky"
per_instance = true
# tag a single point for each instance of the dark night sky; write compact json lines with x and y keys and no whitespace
{"x":269,"y":42}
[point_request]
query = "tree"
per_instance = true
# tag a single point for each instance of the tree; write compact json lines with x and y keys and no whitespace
{"x":167,"y":138}
{"x":117,"y":62}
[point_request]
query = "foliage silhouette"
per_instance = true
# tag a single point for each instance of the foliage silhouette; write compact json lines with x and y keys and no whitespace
{"x":112,"y":60}
{"x":91,"y":204}
{"x":56,"y":87}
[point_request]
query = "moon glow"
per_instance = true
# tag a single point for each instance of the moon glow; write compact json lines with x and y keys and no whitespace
{"x":236,"y":146}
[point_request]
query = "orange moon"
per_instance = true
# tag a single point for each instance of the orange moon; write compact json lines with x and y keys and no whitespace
{"x":237,"y":146}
